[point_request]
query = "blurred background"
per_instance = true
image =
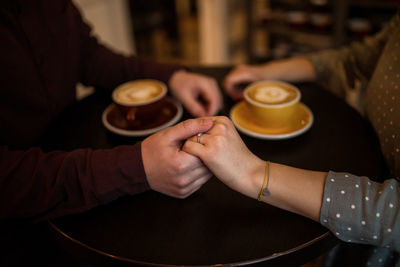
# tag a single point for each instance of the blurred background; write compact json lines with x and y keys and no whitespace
{"x":230,"y":32}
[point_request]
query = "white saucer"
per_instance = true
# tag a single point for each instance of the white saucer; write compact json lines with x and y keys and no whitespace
{"x":246,"y":124}
{"x":126,"y":132}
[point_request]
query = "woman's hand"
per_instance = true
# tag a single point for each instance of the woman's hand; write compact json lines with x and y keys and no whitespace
{"x":295,"y":69}
{"x":239,"y":77}
{"x":222,"y":150}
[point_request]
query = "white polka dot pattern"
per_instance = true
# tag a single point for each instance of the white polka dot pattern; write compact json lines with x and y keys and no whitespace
{"x":368,"y":213}
{"x":367,"y":75}
{"x":383,"y":100}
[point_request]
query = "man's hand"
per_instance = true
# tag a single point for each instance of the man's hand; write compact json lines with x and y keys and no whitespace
{"x":170,"y":170}
{"x":199,"y":94}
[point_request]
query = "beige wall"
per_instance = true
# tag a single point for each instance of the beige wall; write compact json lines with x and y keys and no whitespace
{"x":111,"y":23}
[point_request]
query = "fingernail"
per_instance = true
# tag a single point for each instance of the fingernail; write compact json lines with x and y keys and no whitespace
{"x":206,"y":121}
{"x":187,"y":122}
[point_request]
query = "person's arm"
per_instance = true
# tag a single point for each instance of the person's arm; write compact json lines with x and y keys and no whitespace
{"x":102,"y":68}
{"x":284,"y":185}
{"x":296,"y":69}
{"x":38,"y":185}
{"x":296,"y":190}
{"x":354,"y":208}
{"x":347,"y":71}
{"x":343,"y":70}
{"x":359,"y":210}
{"x":225,"y":154}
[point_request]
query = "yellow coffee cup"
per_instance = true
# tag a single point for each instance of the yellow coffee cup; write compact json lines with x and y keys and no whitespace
{"x":272,"y":103}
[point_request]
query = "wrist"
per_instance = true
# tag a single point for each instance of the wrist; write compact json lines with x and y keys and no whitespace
{"x":265,"y":71}
{"x":250,"y":185}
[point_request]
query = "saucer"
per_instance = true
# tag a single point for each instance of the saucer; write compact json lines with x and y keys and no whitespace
{"x":246,"y":123}
{"x":112,"y":119}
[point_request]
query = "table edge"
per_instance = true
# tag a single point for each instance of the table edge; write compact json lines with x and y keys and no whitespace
{"x":275,"y":255}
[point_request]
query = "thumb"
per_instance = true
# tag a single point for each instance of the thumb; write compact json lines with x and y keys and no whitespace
{"x":188,"y":128}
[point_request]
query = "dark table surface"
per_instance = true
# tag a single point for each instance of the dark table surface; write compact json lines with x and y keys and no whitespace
{"x":215,"y":225}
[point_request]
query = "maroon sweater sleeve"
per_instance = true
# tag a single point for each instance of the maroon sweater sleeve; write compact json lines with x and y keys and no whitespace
{"x":38,"y":185}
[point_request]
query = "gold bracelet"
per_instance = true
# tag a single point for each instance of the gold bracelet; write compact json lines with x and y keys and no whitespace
{"x":264,"y":188}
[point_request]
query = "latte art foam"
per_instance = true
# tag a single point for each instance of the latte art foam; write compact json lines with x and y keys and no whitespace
{"x":135,"y":95}
{"x":138,"y":92}
{"x":272,"y":94}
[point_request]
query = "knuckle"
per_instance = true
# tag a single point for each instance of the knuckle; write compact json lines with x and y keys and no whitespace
{"x":181,"y":184}
{"x":219,"y":141}
{"x":225,"y":120}
{"x":187,"y":123}
{"x":178,"y":167}
{"x":182,"y":193}
{"x":221,"y":128}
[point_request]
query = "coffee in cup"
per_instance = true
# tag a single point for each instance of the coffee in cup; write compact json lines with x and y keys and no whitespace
{"x":140,"y":101}
{"x":272,"y":103}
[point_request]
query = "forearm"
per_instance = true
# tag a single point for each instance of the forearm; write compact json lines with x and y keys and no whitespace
{"x":297,"y":69}
{"x":226,"y":155}
{"x":38,"y":185}
{"x":296,"y":190}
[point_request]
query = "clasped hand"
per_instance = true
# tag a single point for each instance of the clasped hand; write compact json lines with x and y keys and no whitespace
{"x":224,"y":153}
{"x":178,"y":171}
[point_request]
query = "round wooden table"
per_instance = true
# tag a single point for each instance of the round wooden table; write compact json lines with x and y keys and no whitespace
{"x":215,"y":226}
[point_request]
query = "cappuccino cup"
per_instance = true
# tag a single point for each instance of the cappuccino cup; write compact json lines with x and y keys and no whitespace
{"x":139,"y":101}
{"x":273,"y":104}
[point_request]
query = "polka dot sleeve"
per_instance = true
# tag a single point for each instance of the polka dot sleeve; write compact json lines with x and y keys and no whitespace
{"x":359,"y":210}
